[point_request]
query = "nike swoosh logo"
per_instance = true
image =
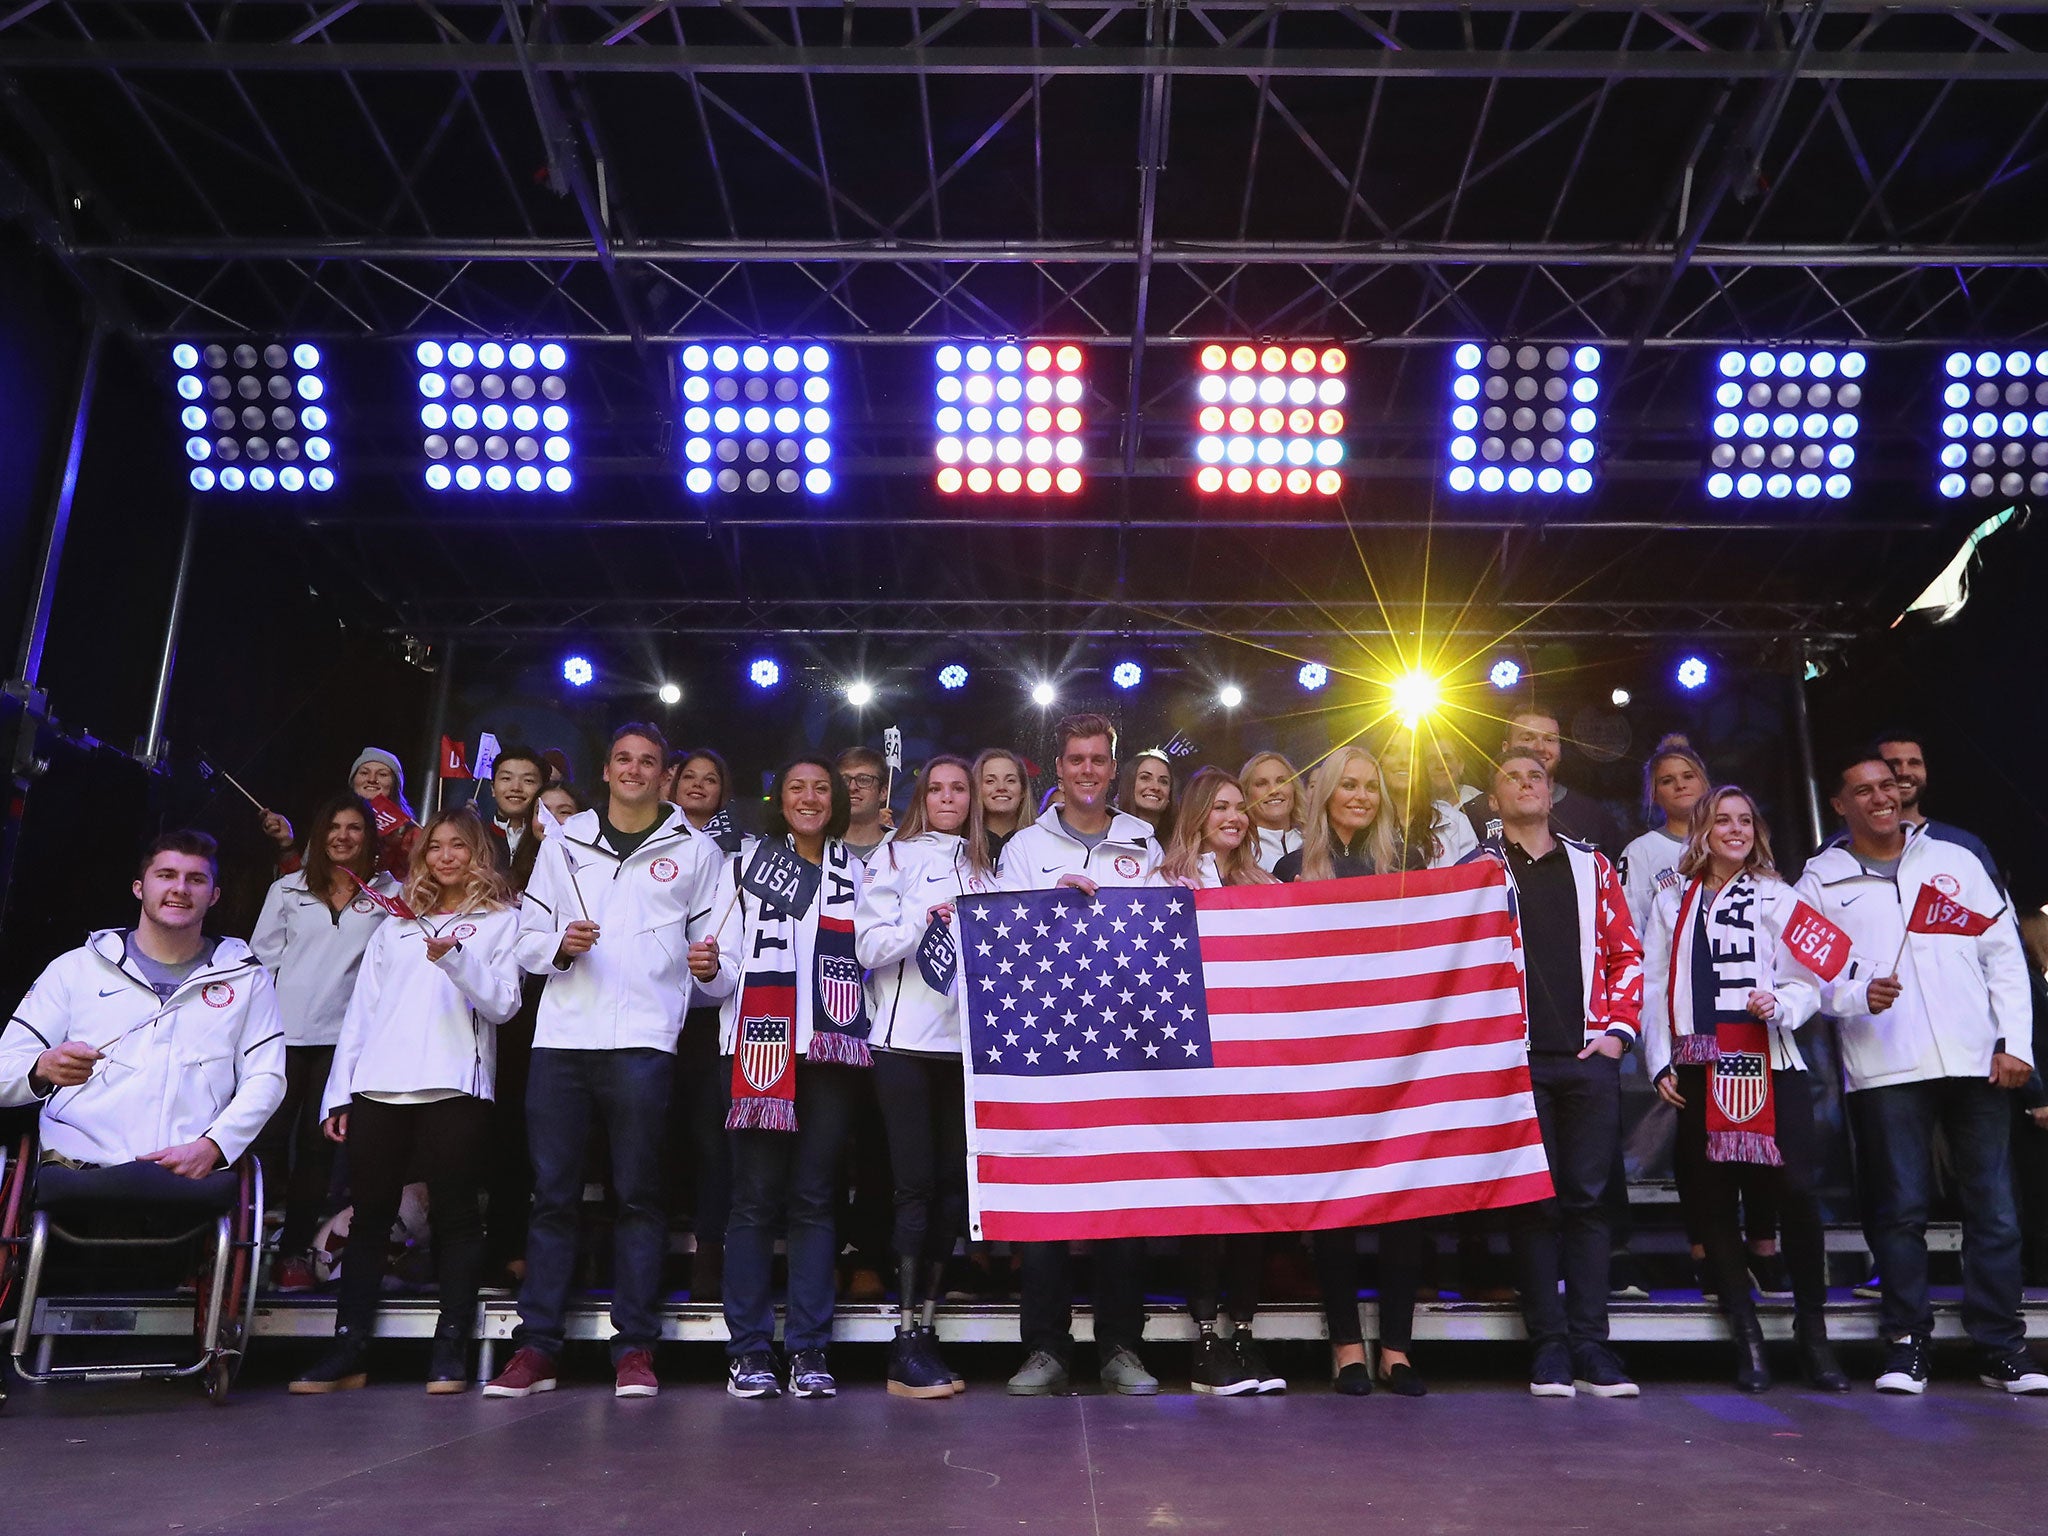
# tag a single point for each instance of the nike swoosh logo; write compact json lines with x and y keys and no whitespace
{"x":1049,"y":869}
{"x":1850,"y":901}
{"x":110,"y":994}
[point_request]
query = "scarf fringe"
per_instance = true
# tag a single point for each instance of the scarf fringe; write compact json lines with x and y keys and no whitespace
{"x":830,"y":1045}
{"x":1696,"y":1050}
{"x":1743,"y":1147}
{"x":761,"y":1115}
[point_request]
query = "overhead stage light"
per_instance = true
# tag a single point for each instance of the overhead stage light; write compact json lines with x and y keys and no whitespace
{"x":757,"y":417}
{"x":254,"y":419}
{"x":1505,"y":673}
{"x":1523,"y":418}
{"x":1783,"y":424}
{"x":860,"y":695}
{"x":1043,"y":695}
{"x":1692,"y":673}
{"x":1415,"y":696}
{"x":1270,"y":419}
{"x":764,"y":673}
{"x":1995,"y":430}
{"x":1620,"y":698}
{"x":495,"y":415}
{"x":577,"y":672}
{"x":1009,"y":418}
{"x":1127,"y":674}
{"x":1313,"y":675}
{"x":1230,"y":696}
{"x":670,"y":694}
{"x":952,"y":677}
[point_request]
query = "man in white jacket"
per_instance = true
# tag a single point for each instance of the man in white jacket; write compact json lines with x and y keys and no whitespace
{"x":1084,"y":844}
{"x":616,"y":900}
{"x":156,"y":1051}
{"x":1936,"y":1028}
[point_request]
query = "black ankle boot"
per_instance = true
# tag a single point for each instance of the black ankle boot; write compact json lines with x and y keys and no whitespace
{"x":448,"y":1370}
{"x":1752,"y":1367}
{"x":1817,"y":1362}
{"x":341,"y":1368}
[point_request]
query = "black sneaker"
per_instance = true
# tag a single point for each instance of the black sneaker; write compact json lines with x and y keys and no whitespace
{"x":1252,"y":1361}
{"x":1767,"y":1271}
{"x":1597,"y":1373}
{"x":752,"y":1376}
{"x":1551,"y":1373}
{"x":1218,"y":1372}
{"x":2015,"y":1371}
{"x":913,"y":1371}
{"x":809,"y":1376}
{"x":1905,"y":1366}
{"x":341,"y":1369}
{"x":1625,"y":1278}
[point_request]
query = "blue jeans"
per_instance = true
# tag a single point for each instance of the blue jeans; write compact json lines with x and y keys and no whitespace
{"x":788,"y":1185}
{"x":1976,"y":1120}
{"x":629,"y":1091}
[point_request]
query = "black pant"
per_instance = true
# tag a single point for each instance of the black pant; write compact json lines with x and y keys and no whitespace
{"x":508,"y":1177}
{"x":1224,"y":1274}
{"x":386,"y":1143}
{"x":1720,"y":1188}
{"x":697,"y":1138}
{"x":866,"y":1187}
{"x":924,"y":1112}
{"x":1401,"y":1244}
{"x":1578,"y":1104}
{"x":296,"y":1158}
{"x":1047,"y":1282}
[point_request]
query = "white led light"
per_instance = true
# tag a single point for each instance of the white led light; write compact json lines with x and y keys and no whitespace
{"x":748,"y":427}
{"x":1532,"y":414}
{"x":1780,"y":419}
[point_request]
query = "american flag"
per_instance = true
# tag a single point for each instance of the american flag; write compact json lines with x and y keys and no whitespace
{"x":1262,"y":1058}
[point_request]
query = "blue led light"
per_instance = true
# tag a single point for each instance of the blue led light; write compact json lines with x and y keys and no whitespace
{"x":1312,"y":676}
{"x":764,"y":673}
{"x":577,"y":672}
{"x":1505,"y":673}
{"x":1522,"y":416}
{"x":1692,"y":673}
{"x":953,"y":676}
{"x":1127,"y":674}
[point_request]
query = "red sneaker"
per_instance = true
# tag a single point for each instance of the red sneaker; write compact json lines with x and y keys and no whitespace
{"x":636,"y":1375}
{"x":528,"y":1371}
{"x":294,"y":1275}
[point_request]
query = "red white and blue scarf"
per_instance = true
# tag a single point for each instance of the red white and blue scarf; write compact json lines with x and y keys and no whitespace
{"x":1717,"y":957}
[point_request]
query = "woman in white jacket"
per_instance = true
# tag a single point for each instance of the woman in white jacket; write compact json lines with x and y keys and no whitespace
{"x":311,"y":934}
{"x":412,"y":1086}
{"x":1722,"y":995}
{"x":912,"y":885}
{"x":1272,"y":790}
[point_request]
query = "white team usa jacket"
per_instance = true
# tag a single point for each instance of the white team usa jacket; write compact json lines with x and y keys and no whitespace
{"x":415,"y":1024}
{"x":209,"y":1062}
{"x":1039,"y":854}
{"x":905,"y":881}
{"x":313,"y":952}
{"x":630,"y":991}
{"x":1667,"y":972}
{"x":1962,"y":995}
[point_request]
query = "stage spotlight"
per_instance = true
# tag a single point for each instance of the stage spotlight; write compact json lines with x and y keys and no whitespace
{"x":764,"y":673}
{"x":257,"y":408}
{"x":577,"y":672}
{"x":1995,"y":430}
{"x":1230,"y":696}
{"x":1009,"y":418}
{"x":1268,"y":419}
{"x":1783,"y":423}
{"x":954,"y":676}
{"x":670,"y":694}
{"x":860,"y":695}
{"x":1415,"y":696}
{"x":496,"y":414}
{"x":756,"y":418}
{"x":1524,"y":418}
{"x":1505,"y":673}
{"x":1692,"y":673}
{"x":1619,"y":698}
{"x":1043,"y":695}
{"x":1313,"y":675}
{"x":1127,"y":674}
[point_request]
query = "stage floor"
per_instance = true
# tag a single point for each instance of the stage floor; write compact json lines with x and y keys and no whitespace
{"x":1478,"y":1455}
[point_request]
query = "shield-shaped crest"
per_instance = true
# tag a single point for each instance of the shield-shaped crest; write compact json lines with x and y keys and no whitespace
{"x":839,"y":988}
{"x":1740,"y":1085}
{"x":764,"y":1052}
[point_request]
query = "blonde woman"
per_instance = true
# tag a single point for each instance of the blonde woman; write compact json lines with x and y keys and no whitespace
{"x":411,"y":1088}
{"x":1002,"y":806}
{"x":1272,"y":792}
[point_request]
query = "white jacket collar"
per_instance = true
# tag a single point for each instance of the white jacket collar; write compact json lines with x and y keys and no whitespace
{"x":1123,"y":828}
{"x":229,"y":954}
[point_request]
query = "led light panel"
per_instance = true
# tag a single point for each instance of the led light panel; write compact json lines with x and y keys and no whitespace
{"x":1523,"y":418}
{"x":1009,"y":418}
{"x":1269,"y":420}
{"x":254,"y":419}
{"x":1783,"y":425}
{"x":1995,"y":430}
{"x":758,"y":418}
{"x":495,"y":415}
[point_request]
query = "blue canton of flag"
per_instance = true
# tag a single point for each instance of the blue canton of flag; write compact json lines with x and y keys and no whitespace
{"x":1059,"y":984}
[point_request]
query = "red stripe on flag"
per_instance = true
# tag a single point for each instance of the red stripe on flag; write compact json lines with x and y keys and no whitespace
{"x":1321,"y":944}
{"x":1429,"y":987}
{"x":1474,"y":876}
{"x":1300,"y":1052}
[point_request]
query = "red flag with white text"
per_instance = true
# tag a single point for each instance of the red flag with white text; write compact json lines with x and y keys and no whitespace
{"x":1938,"y":911}
{"x":1817,"y":943}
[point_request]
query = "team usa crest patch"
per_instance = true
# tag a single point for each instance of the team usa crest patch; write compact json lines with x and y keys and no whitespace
{"x":764,"y":1052}
{"x":839,"y":988}
{"x":664,"y":870}
{"x":1127,"y":866}
{"x":1741,"y":1085}
{"x":218,"y":994}
{"x":363,"y":905}
{"x":462,"y":931}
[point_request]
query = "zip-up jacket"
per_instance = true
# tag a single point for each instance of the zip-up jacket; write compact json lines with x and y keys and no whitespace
{"x":741,"y":923}
{"x":1039,"y":854}
{"x":313,"y":952}
{"x":905,"y":881}
{"x":415,"y":1024}
{"x":630,"y":991}
{"x":1962,"y":997}
{"x":1276,"y":845}
{"x":1649,"y":865}
{"x":1610,"y":954}
{"x":1667,"y":972}
{"x":207,"y":1062}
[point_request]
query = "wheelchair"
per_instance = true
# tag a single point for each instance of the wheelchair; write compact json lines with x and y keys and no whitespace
{"x":47,"y":1206}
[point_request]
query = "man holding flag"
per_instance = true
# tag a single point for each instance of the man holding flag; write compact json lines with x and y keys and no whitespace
{"x":1941,"y":1039}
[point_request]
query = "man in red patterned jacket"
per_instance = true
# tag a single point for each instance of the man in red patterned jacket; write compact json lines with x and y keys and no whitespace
{"x":1583,"y":992}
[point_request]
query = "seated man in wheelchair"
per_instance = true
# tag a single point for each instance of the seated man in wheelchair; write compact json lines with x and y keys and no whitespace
{"x":155,"y":1052}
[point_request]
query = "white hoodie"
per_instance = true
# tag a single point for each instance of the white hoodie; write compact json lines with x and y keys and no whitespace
{"x":416,"y":1025}
{"x":1039,"y":854}
{"x":1667,"y":973}
{"x":905,"y":881}
{"x":1649,"y":865}
{"x":1275,"y":846}
{"x":313,"y":951}
{"x":209,"y":1062}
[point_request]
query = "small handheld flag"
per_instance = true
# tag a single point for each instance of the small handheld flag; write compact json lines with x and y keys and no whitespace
{"x":781,"y":881}
{"x":487,"y":750}
{"x":389,"y":817}
{"x":1820,"y":946}
{"x":1936,"y":911}
{"x":393,"y":906}
{"x":722,"y":832}
{"x":938,"y":957}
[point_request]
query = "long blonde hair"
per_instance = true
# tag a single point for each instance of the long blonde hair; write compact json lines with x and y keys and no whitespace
{"x":1244,"y":776}
{"x":487,"y":889}
{"x":1190,"y":825}
{"x":977,"y":821}
{"x":1697,"y":858}
{"x":1319,"y":842}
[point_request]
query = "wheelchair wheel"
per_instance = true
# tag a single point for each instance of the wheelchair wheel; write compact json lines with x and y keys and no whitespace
{"x":15,"y":1166}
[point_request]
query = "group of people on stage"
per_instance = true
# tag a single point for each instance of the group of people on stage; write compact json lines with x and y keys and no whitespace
{"x":468,"y":999}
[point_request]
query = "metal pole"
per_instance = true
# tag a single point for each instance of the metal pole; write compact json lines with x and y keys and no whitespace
{"x":35,"y":631}
{"x":153,"y":744}
{"x":437,"y":727}
{"x":1802,"y":727}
